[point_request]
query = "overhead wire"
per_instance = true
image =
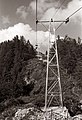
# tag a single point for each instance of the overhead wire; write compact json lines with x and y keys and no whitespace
{"x":58,"y":10}
{"x":36,"y":25}
{"x":47,"y":30}
{"x":59,"y":7}
{"x":54,"y":16}
{"x":55,"y":12}
{"x":36,"y":10}
{"x":75,"y":12}
{"x":69,"y":17}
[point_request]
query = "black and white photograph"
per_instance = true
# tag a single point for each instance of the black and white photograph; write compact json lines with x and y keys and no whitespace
{"x":40,"y":59}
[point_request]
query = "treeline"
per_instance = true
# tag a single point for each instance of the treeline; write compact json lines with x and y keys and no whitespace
{"x":70,"y":61}
{"x":17,"y":65}
{"x":14,"y":56}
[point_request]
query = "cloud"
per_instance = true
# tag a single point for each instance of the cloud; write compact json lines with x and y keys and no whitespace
{"x":25,"y":30}
{"x":47,"y":9}
{"x":64,"y":13}
{"x":5,"y":20}
{"x":42,"y":6}
{"x":22,"y":11}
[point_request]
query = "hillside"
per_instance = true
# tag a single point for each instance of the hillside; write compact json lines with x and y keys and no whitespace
{"x":22,"y":75}
{"x":14,"y":56}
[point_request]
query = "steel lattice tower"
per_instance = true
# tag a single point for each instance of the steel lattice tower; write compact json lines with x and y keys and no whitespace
{"x":53,"y":89}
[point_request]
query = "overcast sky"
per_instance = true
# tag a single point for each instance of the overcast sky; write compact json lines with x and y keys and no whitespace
{"x":17,"y":17}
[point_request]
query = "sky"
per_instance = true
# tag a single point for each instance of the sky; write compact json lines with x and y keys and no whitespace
{"x":17,"y":17}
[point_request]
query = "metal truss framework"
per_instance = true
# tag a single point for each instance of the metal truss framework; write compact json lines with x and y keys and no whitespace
{"x":53,"y":90}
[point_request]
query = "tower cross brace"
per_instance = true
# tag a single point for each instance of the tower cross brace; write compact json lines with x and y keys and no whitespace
{"x":53,"y":90}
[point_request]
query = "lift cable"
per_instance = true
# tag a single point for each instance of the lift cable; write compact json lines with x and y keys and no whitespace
{"x":68,"y":18}
{"x":36,"y":26}
{"x":75,"y":12}
{"x":59,"y":8}
{"x":52,"y":17}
